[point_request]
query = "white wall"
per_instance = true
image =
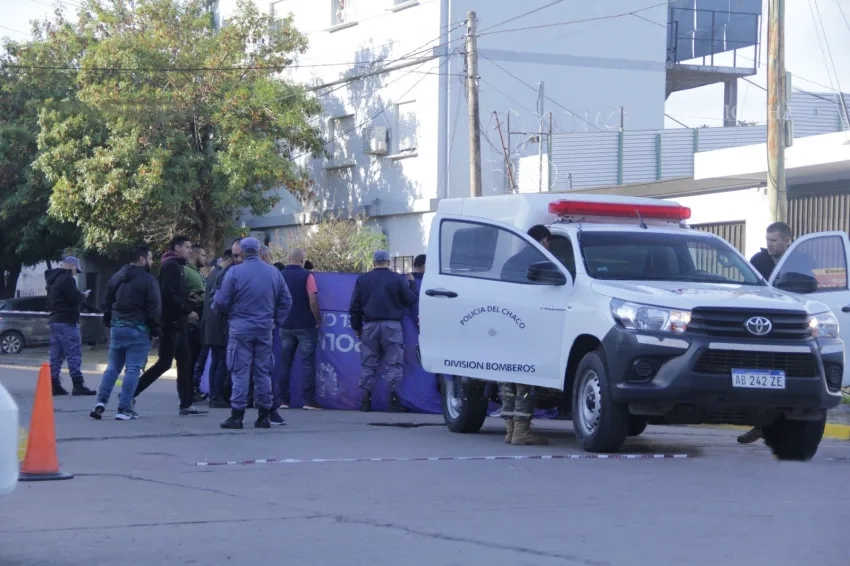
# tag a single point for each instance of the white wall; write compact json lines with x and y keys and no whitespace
{"x":747,"y":205}
{"x":591,"y":69}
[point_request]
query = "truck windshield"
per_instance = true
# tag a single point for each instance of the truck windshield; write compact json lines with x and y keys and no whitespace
{"x":648,"y":256}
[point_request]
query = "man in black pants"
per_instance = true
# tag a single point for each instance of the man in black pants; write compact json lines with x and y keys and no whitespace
{"x":176,"y":311}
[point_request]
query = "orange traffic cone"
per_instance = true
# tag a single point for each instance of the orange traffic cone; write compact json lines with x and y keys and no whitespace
{"x":41,"y":462}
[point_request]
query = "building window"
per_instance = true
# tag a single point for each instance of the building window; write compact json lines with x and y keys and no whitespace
{"x":341,"y":135}
{"x":406,"y":128}
{"x":342,"y":12}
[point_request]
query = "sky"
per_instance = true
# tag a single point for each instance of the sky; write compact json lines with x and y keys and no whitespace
{"x":806,"y":53}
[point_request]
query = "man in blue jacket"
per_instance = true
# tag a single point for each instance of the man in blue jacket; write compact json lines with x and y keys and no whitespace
{"x":256,"y":299}
{"x":380,"y":300}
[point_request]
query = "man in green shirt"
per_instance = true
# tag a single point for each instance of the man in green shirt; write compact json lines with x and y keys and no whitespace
{"x":196,"y":282}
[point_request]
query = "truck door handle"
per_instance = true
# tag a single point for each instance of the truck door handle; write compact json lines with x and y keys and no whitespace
{"x":440,"y":293}
{"x":846,"y":309}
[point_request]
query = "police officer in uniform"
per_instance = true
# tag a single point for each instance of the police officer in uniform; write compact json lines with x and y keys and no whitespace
{"x":380,"y":300}
{"x":517,"y":400}
{"x":255,"y":296}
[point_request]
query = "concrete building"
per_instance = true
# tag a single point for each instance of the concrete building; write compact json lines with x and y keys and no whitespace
{"x":398,"y":139}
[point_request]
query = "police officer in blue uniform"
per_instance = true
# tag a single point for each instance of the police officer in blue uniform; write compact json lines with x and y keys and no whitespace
{"x":257,"y":300}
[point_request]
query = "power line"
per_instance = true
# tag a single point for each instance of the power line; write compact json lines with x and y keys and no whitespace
{"x":550,"y":99}
{"x":832,"y":62}
{"x":515,"y":18}
{"x":579,"y":21}
{"x":843,"y":16}
{"x":807,"y":93}
{"x":15,"y":30}
{"x":678,"y":122}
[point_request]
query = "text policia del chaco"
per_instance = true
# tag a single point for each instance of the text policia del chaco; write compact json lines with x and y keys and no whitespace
{"x":490,"y":366}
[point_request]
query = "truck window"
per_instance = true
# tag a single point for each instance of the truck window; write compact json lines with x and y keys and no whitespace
{"x":648,"y":256}
{"x":823,"y":258}
{"x":562,"y":248}
{"x":469,"y":249}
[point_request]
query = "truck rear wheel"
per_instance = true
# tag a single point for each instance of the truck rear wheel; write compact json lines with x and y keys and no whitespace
{"x":464,"y":403}
{"x":794,"y":440}
{"x":600,"y":424}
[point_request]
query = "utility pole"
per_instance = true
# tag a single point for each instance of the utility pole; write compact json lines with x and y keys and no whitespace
{"x":777,"y":95}
{"x":540,"y":138}
{"x":474,"y":119}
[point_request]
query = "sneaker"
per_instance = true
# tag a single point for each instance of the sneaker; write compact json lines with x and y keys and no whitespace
{"x":312,"y":407}
{"x":191,"y":411}
{"x":284,"y":406}
{"x":97,"y":412}
{"x":126,"y":415}
{"x":199,"y":397}
{"x":275,"y":419}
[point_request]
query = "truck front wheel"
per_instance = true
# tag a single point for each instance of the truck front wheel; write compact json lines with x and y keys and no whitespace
{"x":600,"y":424}
{"x":464,"y":403}
{"x":794,"y":440}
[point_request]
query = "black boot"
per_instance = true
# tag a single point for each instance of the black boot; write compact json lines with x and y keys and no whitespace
{"x":234,"y":421}
{"x":395,"y":405}
{"x":58,"y":390}
{"x":262,"y":419}
{"x":80,"y":390}
{"x":366,"y":402}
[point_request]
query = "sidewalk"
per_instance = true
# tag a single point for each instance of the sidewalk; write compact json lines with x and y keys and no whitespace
{"x":94,"y":359}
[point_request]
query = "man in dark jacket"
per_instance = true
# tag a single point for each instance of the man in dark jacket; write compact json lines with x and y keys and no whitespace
{"x":63,"y":301}
{"x":215,"y":336}
{"x":418,"y":275}
{"x":778,"y":239}
{"x":300,"y":331}
{"x":177,"y":309}
{"x":131,"y":310}
{"x":380,"y":300}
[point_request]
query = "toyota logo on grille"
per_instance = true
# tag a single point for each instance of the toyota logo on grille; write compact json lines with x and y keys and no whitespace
{"x":758,"y":325}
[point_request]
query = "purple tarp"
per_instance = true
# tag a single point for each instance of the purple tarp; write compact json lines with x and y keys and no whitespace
{"x":338,"y":358}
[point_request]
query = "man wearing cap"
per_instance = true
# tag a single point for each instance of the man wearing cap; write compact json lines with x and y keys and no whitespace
{"x":380,"y":300}
{"x":257,"y":301}
{"x":63,"y":300}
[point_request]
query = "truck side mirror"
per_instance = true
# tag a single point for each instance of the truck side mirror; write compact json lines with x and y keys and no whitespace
{"x":546,"y":273}
{"x":794,"y":282}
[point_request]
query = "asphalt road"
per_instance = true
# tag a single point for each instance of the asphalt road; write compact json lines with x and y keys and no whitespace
{"x":139,"y":498}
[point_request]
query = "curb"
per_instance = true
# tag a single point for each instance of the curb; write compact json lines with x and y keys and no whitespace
{"x":92,"y":368}
{"x":832,"y":431}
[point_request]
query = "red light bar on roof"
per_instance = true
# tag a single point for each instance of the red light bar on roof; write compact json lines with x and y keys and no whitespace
{"x":671,"y":212}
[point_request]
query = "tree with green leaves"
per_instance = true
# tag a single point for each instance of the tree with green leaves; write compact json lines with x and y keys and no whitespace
{"x":176,"y":126}
{"x":27,"y":234}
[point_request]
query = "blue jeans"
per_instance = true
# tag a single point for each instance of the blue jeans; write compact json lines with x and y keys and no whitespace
{"x":128,"y":347}
{"x":66,"y":344}
{"x":307,"y":339}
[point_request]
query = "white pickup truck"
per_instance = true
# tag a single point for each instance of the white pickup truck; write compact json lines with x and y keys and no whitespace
{"x":8,"y":442}
{"x":634,"y":318}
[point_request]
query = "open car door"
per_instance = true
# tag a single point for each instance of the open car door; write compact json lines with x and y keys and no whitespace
{"x":826,"y":256}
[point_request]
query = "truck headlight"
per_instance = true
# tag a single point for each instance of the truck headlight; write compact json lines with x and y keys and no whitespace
{"x":824,"y":325}
{"x":635,"y":316}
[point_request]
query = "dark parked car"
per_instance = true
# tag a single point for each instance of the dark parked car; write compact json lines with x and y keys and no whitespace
{"x":19,"y":331}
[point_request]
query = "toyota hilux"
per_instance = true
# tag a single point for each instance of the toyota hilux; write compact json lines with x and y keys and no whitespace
{"x":629,"y":317}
